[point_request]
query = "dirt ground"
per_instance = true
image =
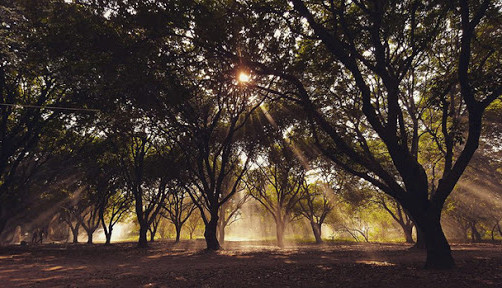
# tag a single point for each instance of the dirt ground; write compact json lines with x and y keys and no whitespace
{"x":243,"y":264}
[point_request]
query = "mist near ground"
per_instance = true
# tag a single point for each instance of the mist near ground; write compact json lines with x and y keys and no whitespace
{"x":254,"y":224}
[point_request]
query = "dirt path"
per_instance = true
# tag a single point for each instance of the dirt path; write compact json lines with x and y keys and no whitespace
{"x":244,"y":265}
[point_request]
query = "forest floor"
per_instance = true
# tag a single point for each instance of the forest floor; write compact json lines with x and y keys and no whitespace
{"x":244,"y":264}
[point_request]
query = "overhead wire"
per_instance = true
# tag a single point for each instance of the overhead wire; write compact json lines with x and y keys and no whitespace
{"x":49,"y":107}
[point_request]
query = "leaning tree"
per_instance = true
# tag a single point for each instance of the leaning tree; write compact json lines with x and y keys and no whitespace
{"x":382,"y":82}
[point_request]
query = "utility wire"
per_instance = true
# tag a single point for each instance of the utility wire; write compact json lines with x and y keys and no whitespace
{"x":48,"y":107}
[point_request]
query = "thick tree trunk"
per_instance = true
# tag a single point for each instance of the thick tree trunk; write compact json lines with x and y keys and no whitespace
{"x":108,"y":237}
{"x":108,"y":234}
{"x":210,"y":233}
{"x":438,"y":250}
{"x":89,"y":237}
{"x":316,"y":228}
{"x":279,"y":229}
{"x":178,"y":233}
{"x":143,"y":242}
{"x":74,"y":232}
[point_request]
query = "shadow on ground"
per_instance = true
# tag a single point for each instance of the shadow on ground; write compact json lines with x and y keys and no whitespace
{"x":243,"y":264}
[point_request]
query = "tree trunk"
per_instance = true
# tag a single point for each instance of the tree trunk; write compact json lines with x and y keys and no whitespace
{"x":89,"y":237}
{"x":74,"y":232}
{"x":108,"y":238}
{"x":210,"y":233}
{"x":108,"y":234}
{"x":408,"y":233}
{"x":438,"y":250}
{"x":316,"y":228}
{"x":493,"y":233}
{"x":475,"y":236}
{"x":143,"y":242}
{"x":279,"y":230}
{"x":178,"y":233}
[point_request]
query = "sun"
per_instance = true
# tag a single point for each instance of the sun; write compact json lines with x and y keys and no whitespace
{"x":244,"y":77}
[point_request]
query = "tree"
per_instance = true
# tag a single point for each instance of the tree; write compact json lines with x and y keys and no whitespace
{"x":48,"y":76}
{"x":474,"y":206}
{"x":277,"y":184}
{"x":68,"y":216}
{"x":81,"y":210}
{"x":193,"y":223}
{"x":179,"y":208}
{"x":321,"y":196}
{"x":216,"y":146}
{"x":25,"y":85}
{"x":103,"y":176}
{"x":154,"y":226}
{"x":474,"y":209}
{"x":399,"y":215}
{"x":147,"y":171}
{"x":113,"y":201}
{"x":315,"y":205}
{"x":369,"y":83}
{"x":356,"y":226}
{"x":88,"y":218}
{"x":112,"y":210}
{"x":230,"y":212}
{"x":85,"y":209}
